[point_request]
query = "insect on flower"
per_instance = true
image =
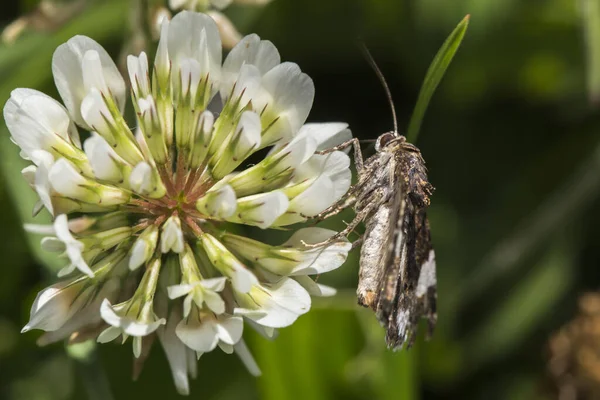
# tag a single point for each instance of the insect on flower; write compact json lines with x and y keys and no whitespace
{"x":397,"y":277}
{"x":150,"y":249}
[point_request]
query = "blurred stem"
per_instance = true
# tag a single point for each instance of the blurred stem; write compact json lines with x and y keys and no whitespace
{"x":562,"y":206}
{"x":590,"y":17}
{"x":92,"y":374}
{"x":94,"y":378}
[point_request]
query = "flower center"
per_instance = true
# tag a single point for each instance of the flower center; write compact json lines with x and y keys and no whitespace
{"x":183,"y":189}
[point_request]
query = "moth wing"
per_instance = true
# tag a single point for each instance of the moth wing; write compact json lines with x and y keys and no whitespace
{"x":394,"y":261}
{"x":409,"y":292}
{"x":426,"y":290}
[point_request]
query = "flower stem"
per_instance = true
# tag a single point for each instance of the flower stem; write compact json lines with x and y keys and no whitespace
{"x":94,"y":378}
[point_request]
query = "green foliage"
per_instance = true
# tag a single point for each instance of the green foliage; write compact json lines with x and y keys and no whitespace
{"x":434,"y":76}
{"x":590,"y":16}
{"x":508,"y":143}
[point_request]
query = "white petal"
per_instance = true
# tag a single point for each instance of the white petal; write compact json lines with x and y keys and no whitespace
{"x":176,"y":353}
{"x":177,"y":4}
{"x":319,"y":260}
{"x":67,"y":63}
{"x":251,"y":50}
{"x":229,"y":329}
{"x":65,"y":179}
{"x":88,"y":315}
{"x":52,"y":244}
{"x":96,"y":114}
{"x":109,"y":334}
{"x":139,"y":74}
{"x":187,"y":305}
{"x":227,"y":348}
{"x":138,"y":254}
{"x":36,"y":121}
{"x":290,"y":294}
{"x":249,"y":131}
{"x":337,"y":167}
{"x":68,"y":269}
{"x":162,"y":64}
{"x":327,"y":134}
{"x":74,"y":248}
{"x":219,"y":203}
{"x":140,"y":179}
{"x":262,"y":55}
{"x":177,"y":291}
{"x":313,"y":288}
{"x":220,"y":4}
{"x":327,"y":291}
{"x":171,"y":238}
{"x":214,"y":301}
{"x":103,"y":159}
{"x":28,"y":173}
{"x":128,"y":325}
{"x":214,"y":284}
{"x":297,"y":152}
{"x":51,"y":308}
{"x":246,"y":85}
{"x":108,"y":314}
{"x":39,"y":229}
{"x":316,"y":198}
{"x":190,"y":73}
{"x":194,"y":35}
{"x":137,"y":346}
{"x":42,"y":184}
{"x":262,"y":209}
{"x":281,"y":304}
{"x":198,"y":335}
{"x":243,"y":279}
{"x":91,"y":67}
{"x":330,"y":164}
{"x":291,"y":94}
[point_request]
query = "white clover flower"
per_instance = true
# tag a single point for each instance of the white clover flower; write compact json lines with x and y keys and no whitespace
{"x":150,"y":251}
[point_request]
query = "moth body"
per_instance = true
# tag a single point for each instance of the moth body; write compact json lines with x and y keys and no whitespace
{"x":397,"y":277}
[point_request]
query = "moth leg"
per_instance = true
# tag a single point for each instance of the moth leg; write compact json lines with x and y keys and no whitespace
{"x":357,"y":242}
{"x":351,"y":226}
{"x":334,"y":209}
{"x":358,"y":158}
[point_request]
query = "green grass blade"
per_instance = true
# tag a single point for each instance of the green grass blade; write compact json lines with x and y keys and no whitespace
{"x":434,"y":75}
{"x":590,"y":18}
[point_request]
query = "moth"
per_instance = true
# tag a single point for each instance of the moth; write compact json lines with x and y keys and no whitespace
{"x":397,"y":276}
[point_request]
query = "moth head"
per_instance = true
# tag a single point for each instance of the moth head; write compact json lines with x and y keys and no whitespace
{"x":386,"y":139}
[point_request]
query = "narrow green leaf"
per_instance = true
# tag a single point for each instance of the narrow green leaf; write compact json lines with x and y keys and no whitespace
{"x":590,"y":19}
{"x":434,"y":75}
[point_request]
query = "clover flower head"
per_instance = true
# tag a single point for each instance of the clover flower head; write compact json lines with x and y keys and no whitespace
{"x":144,"y":216}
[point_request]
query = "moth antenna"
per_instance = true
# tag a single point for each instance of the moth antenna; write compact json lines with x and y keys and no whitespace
{"x":379,"y":74}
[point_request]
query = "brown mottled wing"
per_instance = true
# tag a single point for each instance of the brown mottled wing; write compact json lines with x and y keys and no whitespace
{"x":394,"y":260}
{"x":408,"y":291}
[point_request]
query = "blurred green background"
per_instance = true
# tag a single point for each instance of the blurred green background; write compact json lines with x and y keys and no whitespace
{"x":512,"y":143}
